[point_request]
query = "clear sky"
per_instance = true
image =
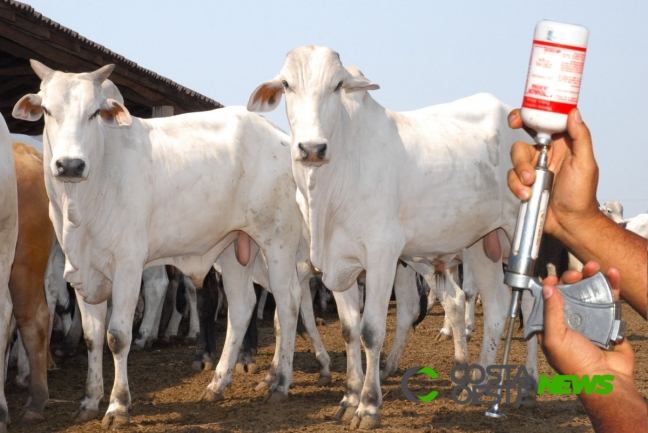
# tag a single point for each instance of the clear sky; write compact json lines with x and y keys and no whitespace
{"x":420,"y":52}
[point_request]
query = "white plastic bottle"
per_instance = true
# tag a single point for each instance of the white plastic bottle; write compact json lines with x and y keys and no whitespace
{"x":554,"y":78}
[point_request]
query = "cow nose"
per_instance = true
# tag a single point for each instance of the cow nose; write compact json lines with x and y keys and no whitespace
{"x":313,"y":151}
{"x":70,"y":167}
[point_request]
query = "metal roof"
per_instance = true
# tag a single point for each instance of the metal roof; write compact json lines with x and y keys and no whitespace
{"x":27,"y":34}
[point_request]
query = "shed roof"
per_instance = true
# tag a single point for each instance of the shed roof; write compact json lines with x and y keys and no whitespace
{"x":26,"y":34}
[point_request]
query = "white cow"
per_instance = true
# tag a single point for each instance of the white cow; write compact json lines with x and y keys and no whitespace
{"x":638,"y":225}
{"x":377,"y":185}
{"x":8,"y":237}
{"x":129,"y":193}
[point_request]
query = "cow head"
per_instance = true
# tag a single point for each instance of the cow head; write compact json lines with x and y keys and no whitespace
{"x":313,"y":80}
{"x":75,"y":109}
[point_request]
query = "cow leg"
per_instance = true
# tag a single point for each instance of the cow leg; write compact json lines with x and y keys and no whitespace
{"x":32,"y":316}
{"x":171,"y":330}
{"x":93,"y":319}
{"x":348,"y":306}
{"x":286,"y":289}
{"x":206,"y":306}
{"x":237,"y":283}
{"x":73,"y":335}
{"x":308,"y":317}
{"x":407,"y":309}
{"x":455,"y":307}
{"x":194,"y":326}
{"x":22,"y":363}
{"x":5,"y":320}
{"x":380,"y":279}
{"x":471,"y":296}
{"x":124,"y":298}
{"x":271,"y":377}
{"x":155,"y":286}
{"x":245,"y":362}
{"x":487,"y":279}
{"x":261,"y":304}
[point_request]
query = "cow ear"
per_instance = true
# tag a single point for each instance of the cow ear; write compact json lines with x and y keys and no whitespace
{"x":355,"y":81}
{"x":115,"y":114}
{"x":267,"y":96}
{"x":28,"y":108}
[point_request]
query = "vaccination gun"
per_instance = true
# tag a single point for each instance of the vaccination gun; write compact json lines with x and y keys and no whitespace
{"x":552,"y":89}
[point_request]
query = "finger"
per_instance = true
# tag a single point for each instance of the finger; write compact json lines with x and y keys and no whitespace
{"x":516,"y":186}
{"x":614,"y":275}
{"x":571,"y":277}
{"x":523,"y":156}
{"x":580,"y":134}
{"x":515,"y":122}
{"x":590,"y":268}
{"x":551,"y":280}
{"x":554,"y":320}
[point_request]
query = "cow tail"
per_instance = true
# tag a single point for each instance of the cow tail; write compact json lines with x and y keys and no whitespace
{"x":423,"y":294}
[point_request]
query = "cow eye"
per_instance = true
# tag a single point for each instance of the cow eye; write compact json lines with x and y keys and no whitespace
{"x":93,"y":115}
{"x":47,"y":113}
{"x":285,"y":84}
{"x":339,"y":86}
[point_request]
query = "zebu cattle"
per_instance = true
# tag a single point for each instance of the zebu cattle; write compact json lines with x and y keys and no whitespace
{"x":638,"y":225}
{"x":8,"y":236}
{"x":377,"y":186}
{"x":35,"y":235}
{"x":128,"y":193}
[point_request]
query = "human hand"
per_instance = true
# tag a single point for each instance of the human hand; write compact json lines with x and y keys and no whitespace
{"x":571,"y":158}
{"x":569,"y":352}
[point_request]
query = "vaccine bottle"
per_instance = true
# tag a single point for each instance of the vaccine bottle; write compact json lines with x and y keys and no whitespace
{"x":554,"y":77}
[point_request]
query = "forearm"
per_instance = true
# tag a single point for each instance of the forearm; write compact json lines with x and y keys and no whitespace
{"x":621,"y":411}
{"x":601,"y":240}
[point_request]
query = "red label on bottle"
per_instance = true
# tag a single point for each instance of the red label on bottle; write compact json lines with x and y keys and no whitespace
{"x":544,"y":105}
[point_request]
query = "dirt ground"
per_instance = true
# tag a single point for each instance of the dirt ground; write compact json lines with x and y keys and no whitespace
{"x":165,"y":391}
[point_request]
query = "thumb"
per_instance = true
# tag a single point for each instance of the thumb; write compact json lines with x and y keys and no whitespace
{"x":581,"y":137}
{"x":554,"y":315}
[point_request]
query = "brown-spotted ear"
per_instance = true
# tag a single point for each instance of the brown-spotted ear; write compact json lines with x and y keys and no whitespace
{"x":267,"y":96}
{"x":41,"y":70}
{"x":28,"y":108}
{"x":355,"y":80}
{"x":114,"y":114}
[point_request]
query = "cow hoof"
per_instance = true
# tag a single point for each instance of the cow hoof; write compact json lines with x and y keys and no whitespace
{"x":211,"y":396}
{"x":345,"y":413}
{"x":209,"y":365}
{"x":136,"y":347}
{"x":254,"y":352}
{"x":190,"y":341}
{"x":366,"y":422}
{"x":239,"y":368}
{"x":443,"y":336}
{"x":83,"y":415}
{"x":324,"y":380}
{"x":115,"y":420}
{"x":262,"y":386}
{"x":468,"y":337}
{"x":320,"y":322}
{"x":252,"y":368}
{"x":197,"y":366}
{"x":31,"y":417}
{"x":275,"y":397}
{"x":384,"y":375}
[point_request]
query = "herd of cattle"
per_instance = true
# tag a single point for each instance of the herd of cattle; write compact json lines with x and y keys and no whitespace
{"x":120,"y":207}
